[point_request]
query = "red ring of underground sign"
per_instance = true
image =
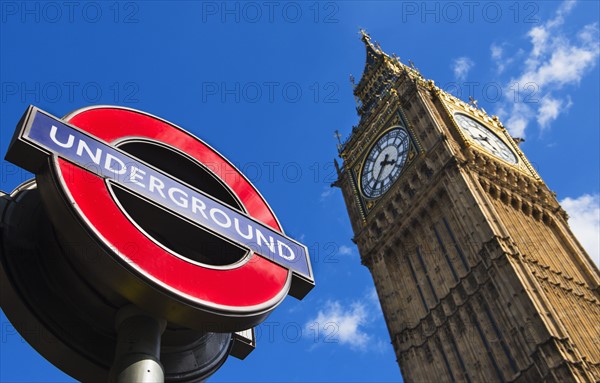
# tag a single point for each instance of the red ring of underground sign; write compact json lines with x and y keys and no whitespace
{"x":247,"y":292}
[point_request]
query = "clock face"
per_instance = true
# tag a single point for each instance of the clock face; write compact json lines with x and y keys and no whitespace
{"x":384,"y":162}
{"x":485,"y":138}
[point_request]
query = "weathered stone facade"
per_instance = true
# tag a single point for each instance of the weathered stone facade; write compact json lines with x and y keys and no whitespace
{"x":478,"y":274}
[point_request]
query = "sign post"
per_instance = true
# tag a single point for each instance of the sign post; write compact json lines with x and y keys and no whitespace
{"x":137,"y":357}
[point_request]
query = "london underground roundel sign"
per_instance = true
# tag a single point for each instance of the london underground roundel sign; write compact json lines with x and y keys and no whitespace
{"x":156,"y":216}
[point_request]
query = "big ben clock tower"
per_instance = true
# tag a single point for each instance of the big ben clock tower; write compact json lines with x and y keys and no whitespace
{"x":478,"y":274}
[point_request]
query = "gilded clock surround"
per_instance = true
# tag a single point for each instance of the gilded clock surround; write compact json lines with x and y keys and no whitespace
{"x":391,"y":115}
{"x":367,"y":202}
{"x":477,"y":272}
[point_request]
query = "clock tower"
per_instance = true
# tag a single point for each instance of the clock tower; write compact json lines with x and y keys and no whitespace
{"x":479,"y":276}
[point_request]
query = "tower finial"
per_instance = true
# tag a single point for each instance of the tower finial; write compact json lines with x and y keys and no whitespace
{"x":339,"y":140}
{"x":373,"y":49}
{"x":337,"y":135}
{"x":473,"y":102}
{"x":364,"y":35}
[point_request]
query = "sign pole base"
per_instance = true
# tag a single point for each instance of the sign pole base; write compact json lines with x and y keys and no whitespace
{"x":137,"y":355}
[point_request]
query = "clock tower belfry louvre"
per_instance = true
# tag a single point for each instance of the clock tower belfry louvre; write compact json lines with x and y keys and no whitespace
{"x":478,"y":274}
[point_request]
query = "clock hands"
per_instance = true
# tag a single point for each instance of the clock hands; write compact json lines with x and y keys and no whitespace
{"x":494,"y":147}
{"x":485,"y":141}
{"x":383,"y":164}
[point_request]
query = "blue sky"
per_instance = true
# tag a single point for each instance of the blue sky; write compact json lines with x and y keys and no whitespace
{"x":267,"y":84}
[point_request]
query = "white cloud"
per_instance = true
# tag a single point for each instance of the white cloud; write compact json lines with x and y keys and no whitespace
{"x":540,"y":35}
{"x":555,"y":60}
{"x":549,"y":110}
{"x":518,"y":120}
{"x":563,"y":10}
{"x":497,"y":52}
{"x":539,"y":40}
{"x":349,"y":324}
{"x":344,"y":325}
{"x":326,"y":193}
{"x":589,"y":34}
{"x":502,"y":59}
{"x":372,"y":297}
{"x":584,"y":213}
{"x":566,"y":64}
{"x":461,"y":67}
{"x":345,"y":250}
